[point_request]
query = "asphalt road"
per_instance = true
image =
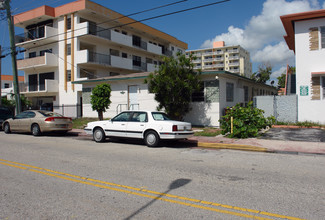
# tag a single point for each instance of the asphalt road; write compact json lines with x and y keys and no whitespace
{"x":52,"y":177}
{"x":295,"y":134}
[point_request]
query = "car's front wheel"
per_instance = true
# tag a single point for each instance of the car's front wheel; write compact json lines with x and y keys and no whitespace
{"x":99,"y":135}
{"x":36,"y":131}
{"x":6,"y":128}
{"x":151,"y":139}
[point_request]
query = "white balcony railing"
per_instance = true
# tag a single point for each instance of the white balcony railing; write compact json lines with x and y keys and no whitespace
{"x":154,"y":49}
{"x":234,"y":64}
{"x":121,"y":62}
{"x":49,"y":86}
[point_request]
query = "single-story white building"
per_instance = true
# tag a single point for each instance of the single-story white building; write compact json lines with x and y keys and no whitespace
{"x":220,"y":89}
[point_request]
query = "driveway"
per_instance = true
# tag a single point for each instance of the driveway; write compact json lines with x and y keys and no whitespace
{"x":295,"y":134}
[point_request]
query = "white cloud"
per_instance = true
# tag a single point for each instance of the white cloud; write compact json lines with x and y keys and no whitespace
{"x":324,"y":5}
{"x":275,"y":54}
{"x":263,"y":36}
{"x":279,"y":72}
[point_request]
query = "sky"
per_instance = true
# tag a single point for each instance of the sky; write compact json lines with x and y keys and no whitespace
{"x":253,"y":24}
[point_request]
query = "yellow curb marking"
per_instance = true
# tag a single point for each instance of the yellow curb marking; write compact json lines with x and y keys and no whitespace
{"x":84,"y":180}
{"x":232,"y":146}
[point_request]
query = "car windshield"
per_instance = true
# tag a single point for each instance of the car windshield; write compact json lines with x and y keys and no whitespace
{"x":50,"y":114}
{"x":159,"y":116}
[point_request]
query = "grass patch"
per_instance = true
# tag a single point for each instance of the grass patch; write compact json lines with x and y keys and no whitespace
{"x":207,"y":132}
{"x":80,"y":123}
{"x":307,"y":124}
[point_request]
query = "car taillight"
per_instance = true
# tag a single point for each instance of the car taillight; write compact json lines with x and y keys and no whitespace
{"x":53,"y":118}
{"x":174,"y":127}
{"x":50,"y":119}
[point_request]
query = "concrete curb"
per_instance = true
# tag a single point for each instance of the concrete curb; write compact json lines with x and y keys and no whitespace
{"x":232,"y":147}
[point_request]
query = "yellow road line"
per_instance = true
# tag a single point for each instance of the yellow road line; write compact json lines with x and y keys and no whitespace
{"x":83,"y":180}
{"x":232,"y":146}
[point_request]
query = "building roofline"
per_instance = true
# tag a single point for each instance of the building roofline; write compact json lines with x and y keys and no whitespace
{"x":144,"y":75}
{"x":89,"y":5}
{"x":289,"y":20}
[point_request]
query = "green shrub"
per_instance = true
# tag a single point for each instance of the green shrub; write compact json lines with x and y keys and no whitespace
{"x":247,"y":121}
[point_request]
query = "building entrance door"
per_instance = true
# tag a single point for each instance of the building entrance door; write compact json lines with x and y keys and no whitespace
{"x":133,"y":98}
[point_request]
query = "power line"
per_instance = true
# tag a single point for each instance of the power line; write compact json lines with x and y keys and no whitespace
{"x":133,"y":22}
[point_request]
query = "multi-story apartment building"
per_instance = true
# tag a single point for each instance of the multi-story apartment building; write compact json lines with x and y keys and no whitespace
{"x":83,"y":40}
{"x":234,"y":59}
{"x":305,"y":35}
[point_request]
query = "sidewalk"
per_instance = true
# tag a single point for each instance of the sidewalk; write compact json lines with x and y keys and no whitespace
{"x":251,"y":144}
{"x":261,"y":145}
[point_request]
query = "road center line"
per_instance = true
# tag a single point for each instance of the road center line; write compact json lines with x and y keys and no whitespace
{"x":156,"y":195}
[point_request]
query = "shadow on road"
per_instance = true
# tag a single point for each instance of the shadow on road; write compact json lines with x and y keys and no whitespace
{"x":174,"y":185}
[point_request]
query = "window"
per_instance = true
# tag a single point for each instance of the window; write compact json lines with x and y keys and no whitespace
{"x":136,"y":60}
{"x":323,"y":86}
{"x":32,"y":54}
{"x":229,"y":92}
{"x":149,"y":60}
{"x":322,"y":34}
{"x":313,"y":38}
{"x":69,"y":75}
{"x":114,"y":52}
{"x":124,"y":55}
{"x":212,"y":91}
{"x":125,"y":116}
{"x":43,"y":77}
{"x":158,"y":116}
{"x":42,"y":52}
{"x":136,"y":40}
{"x":68,"y":23}
{"x":139,"y":117}
{"x":68,"y":49}
{"x":124,"y":32}
{"x":32,"y":82}
{"x":246,"y":93}
{"x":199,"y":95}
{"x":6,"y":85}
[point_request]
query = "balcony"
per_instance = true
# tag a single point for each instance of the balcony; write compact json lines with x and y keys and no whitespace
{"x":121,"y":39}
{"x":139,"y":66}
{"x":154,"y":49}
{"x":234,"y":64}
{"x":234,"y":58}
{"x":93,"y":59}
{"x":234,"y":70}
{"x":48,"y":60}
{"x":218,"y":52}
{"x":44,"y":35}
{"x":50,"y":87}
{"x":218,"y":59}
{"x":233,"y":51}
{"x":120,"y":62}
{"x":151,"y":67}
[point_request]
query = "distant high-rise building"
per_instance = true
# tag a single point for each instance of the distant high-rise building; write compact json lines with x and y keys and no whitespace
{"x":234,"y":59}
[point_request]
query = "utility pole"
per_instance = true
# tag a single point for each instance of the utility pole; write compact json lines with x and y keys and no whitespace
{"x":0,"y":78}
{"x":5,"y":4}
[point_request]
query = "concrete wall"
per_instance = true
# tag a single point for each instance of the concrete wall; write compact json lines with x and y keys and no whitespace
{"x":283,"y":108}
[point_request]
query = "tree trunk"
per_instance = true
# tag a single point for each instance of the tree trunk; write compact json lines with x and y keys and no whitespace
{"x":100,"y":115}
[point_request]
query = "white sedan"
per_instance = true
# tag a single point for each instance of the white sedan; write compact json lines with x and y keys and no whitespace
{"x":147,"y":125}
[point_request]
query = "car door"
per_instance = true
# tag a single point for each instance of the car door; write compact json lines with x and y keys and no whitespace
{"x":116,"y":127}
{"x":136,"y":125}
{"x":15,"y":123}
{"x":25,"y":123}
